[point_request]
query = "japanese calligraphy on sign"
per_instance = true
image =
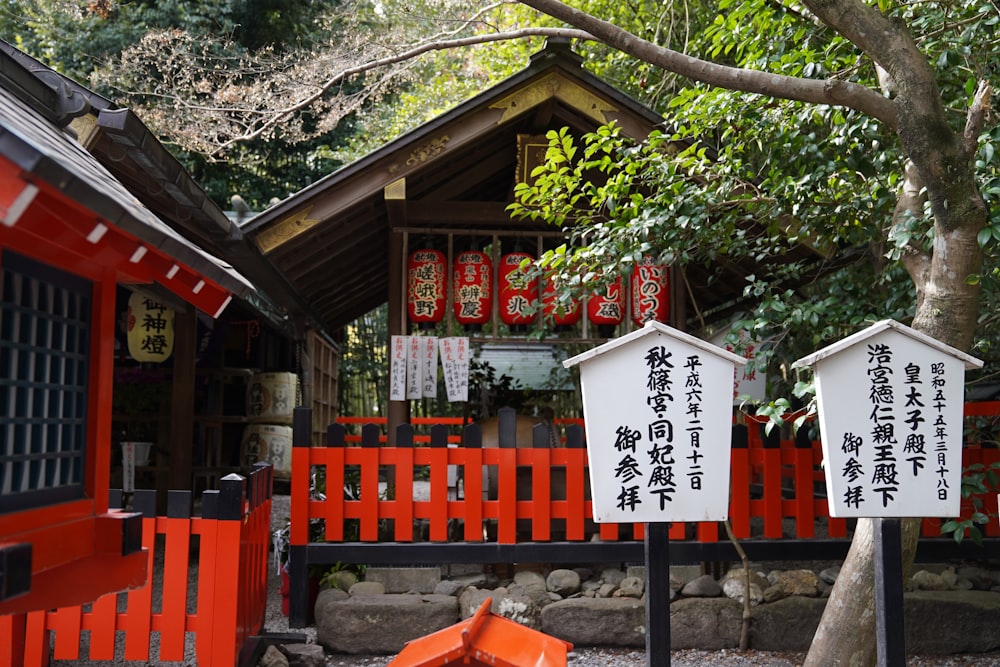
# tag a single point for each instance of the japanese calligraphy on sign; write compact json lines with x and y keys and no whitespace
{"x":890,"y":410}
{"x":455,"y":367}
{"x":149,"y":329}
{"x":398,"y":346}
{"x":413,"y":364}
{"x":657,"y":406}
{"x":414,"y":368}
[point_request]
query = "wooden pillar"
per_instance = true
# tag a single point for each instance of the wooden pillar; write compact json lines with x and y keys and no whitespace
{"x":398,"y":412}
{"x":182,"y":400}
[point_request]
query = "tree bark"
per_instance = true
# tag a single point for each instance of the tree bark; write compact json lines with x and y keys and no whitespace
{"x":943,"y":161}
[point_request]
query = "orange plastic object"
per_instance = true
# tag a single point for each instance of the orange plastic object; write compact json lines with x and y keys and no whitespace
{"x":484,"y":639}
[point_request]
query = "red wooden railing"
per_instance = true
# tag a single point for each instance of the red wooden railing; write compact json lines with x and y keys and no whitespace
{"x":772,"y":484}
{"x":229,"y":600}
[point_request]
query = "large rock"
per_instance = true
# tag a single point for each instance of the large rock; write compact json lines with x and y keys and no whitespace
{"x":705,"y":623}
{"x":513,"y":604}
{"x":405,"y":579}
{"x":597,"y":621}
{"x":382,"y":623}
{"x":786,"y":625}
{"x":952,"y":621}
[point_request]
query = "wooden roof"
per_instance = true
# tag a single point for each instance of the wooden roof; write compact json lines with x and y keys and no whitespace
{"x":456,"y":172}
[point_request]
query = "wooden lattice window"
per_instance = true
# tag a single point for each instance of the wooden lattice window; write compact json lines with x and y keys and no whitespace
{"x":45,"y":317}
{"x":324,"y":356}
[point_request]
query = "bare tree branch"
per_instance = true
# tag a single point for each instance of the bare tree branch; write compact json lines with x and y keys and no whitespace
{"x":278,"y":115}
{"x":830,"y":91}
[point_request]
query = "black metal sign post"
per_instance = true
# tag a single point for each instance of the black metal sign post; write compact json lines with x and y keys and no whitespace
{"x":889,"y":626}
{"x":657,"y":552}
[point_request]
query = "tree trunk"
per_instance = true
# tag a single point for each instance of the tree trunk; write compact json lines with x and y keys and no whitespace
{"x":846,"y":633}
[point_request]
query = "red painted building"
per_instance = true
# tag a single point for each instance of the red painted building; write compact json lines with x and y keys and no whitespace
{"x":72,"y":232}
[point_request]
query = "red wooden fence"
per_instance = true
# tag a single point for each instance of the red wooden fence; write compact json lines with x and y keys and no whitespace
{"x":232,"y":535}
{"x":770,"y":484}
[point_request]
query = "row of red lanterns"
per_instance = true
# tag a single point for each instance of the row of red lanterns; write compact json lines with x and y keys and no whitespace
{"x":472,"y":298}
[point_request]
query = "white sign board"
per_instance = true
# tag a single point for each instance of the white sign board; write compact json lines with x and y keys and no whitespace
{"x":658,"y":410}
{"x":455,"y":367}
{"x":890,"y":411}
{"x":397,"y":367}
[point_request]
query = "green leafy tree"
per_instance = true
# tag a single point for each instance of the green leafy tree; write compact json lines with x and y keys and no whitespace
{"x":834,"y":122}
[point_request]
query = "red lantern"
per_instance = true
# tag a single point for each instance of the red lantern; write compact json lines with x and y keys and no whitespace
{"x":425,"y":284}
{"x":518,"y":293}
{"x":606,"y":308}
{"x":650,"y":292}
{"x":473,"y":288}
{"x":567,"y":315}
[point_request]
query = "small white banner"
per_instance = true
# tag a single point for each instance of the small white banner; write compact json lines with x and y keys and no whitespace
{"x":429,"y":357}
{"x":455,"y":364}
{"x":397,"y":368}
{"x":414,"y":368}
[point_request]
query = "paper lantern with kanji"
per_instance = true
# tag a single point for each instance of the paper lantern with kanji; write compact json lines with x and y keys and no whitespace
{"x":518,"y":293}
{"x":425,"y":285}
{"x":650,"y":292}
{"x":562,"y":315}
{"x":606,"y":308}
{"x":472,"y":283}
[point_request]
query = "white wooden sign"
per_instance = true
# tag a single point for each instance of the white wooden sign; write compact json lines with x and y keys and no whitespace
{"x":429,"y":359}
{"x":397,"y":368}
{"x":455,"y":367}
{"x":658,"y":410}
{"x":890,"y":412}
{"x":414,"y":368}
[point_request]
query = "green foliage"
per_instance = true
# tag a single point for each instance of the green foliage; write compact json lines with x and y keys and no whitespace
{"x":977,"y":480}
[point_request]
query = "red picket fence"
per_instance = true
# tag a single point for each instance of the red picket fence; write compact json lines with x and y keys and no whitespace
{"x":224,"y":610}
{"x":540,"y":509}
{"x":772,"y":480}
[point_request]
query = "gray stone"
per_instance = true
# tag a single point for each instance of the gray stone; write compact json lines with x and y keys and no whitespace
{"x":510,"y":603}
{"x":774,"y":593}
{"x":951,"y":622}
{"x":606,"y":590}
{"x":796,"y":582}
{"x":529,"y":578}
{"x":734,"y":586}
{"x":949,"y":578}
{"x":405,"y":579}
{"x":928,"y":581}
{"x":829,"y":575}
{"x":612,"y":575}
{"x":479,"y":580}
{"x":383,"y":623}
{"x":472,"y":598}
{"x":631,"y":587}
{"x":597,"y":621}
{"x":705,"y":623}
{"x":449,"y":587}
{"x":327,"y":596}
{"x":563,"y":582}
{"x":304,"y":655}
{"x":704,"y":586}
{"x":530,"y":585}
{"x":981,"y":578}
{"x":342,"y":579}
{"x":367,"y":588}
{"x":273,"y":658}
{"x":785,"y":625}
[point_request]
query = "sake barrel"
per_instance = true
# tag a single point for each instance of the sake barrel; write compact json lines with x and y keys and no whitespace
{"x":270,"y":442}
{"x":271,"y":398}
